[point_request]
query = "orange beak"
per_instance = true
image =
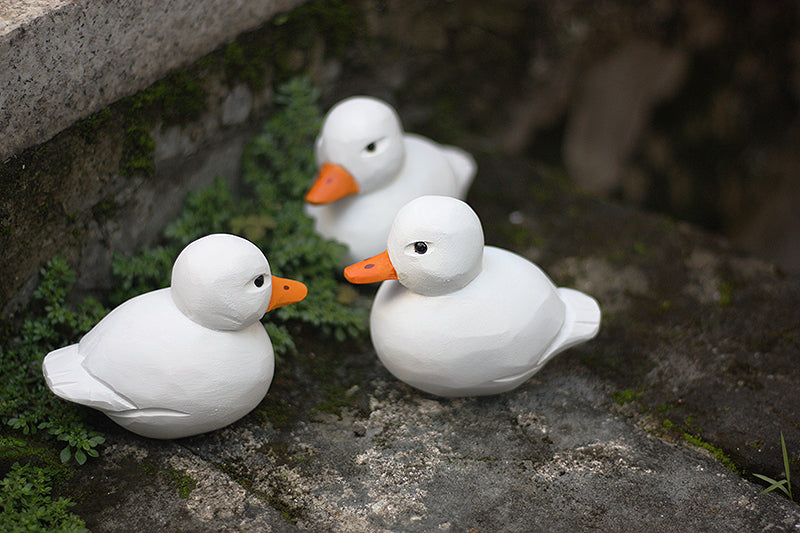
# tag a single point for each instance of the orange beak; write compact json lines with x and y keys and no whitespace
{"x":377,"y":268}
{"x":285,"y":292}
{"x":333,"y":182}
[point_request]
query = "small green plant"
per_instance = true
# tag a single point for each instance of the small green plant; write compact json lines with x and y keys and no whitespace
{"x":25,"y":402}
{"x":785,"y":485}
{"x":279,"y":166}
{"x":28,"y":507}
{"x":80,"y":443}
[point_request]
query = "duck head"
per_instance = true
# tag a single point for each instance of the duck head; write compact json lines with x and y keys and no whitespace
{"x":224,"y":282}
{"x":435,"y":246}
{"x":359,"y":149}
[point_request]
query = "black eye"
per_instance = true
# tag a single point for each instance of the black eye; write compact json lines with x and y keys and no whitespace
{"x":259,"y":281}
{"x":371,"y":147}
{"x":420,"y":247}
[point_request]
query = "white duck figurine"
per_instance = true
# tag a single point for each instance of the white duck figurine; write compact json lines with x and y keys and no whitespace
{"x":369,"y":169}
{"x":464,"y":319}
{"x":186,"y":359}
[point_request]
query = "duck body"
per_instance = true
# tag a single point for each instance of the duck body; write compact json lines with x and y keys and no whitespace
{"x":159,"y":374}
{"x":457,"y":318}
{"x":362,"y":221}
{"x":486,"y":338}
{"x":187,"y":359}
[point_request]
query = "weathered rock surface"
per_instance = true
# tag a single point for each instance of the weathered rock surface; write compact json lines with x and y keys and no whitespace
{"x":64,"y":60}
{"x":693,"y":333}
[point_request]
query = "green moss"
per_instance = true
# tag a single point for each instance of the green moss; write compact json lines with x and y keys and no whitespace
{"x":574,"y":211}
{"x":275,"y":46}
{"x":26,"y":180}
{"x":137,"y":150}
{"x":277,"y":482}
{"x":641,"y":248}
{"x":178,"y":97}
{"x":289,"y":512}
{"x":181,"y":95}
{"x":625,"y":396}
{"x":550,"y":182}
{"x":247,"y":60}
{"x":335,"y":21}
{"x":277,"y":412}
{"x":335,"y":400}
{"x":90,"y":127}
{"x":696,"y":440}
{"x":746,"y":373}
{"x":686,"y":432}
{"x":619,"y":256}
{"x":175,"y":99}
{"x":725,"y":291}
{"x":789,"y":335}
{"x":521,"y":237}
{"x":105,"y":210}
{"x":721,"y":456}
{"x":29,"y":450}
{"x":180,"y":480}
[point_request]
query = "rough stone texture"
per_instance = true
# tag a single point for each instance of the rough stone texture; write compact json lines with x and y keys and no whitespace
{"x":64,"y":60}
{"x":139,"y":487}
{"x":707,"y":336}
{"x":86,"y":211}
{"x":341,"y":445}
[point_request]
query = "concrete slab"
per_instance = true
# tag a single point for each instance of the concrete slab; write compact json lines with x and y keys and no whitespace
{"x":62,"y":61}
{"x":550,"y":456}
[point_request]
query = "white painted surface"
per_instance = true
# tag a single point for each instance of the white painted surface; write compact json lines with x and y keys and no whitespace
{"x":364,"y":136}
{"x":463,"y":319}
{"x":183,"y":360}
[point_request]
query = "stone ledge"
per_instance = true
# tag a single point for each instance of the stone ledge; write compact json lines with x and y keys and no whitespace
{"x":67,"y":59}
{"x":626,"y":432}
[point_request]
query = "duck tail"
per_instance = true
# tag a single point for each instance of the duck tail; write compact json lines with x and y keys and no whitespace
{"x":464,"y":167}
{"x":581,"y":323}
{"x":68,"y":379}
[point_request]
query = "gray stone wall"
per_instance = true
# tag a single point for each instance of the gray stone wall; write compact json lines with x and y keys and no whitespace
{"x":66,"y":59}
